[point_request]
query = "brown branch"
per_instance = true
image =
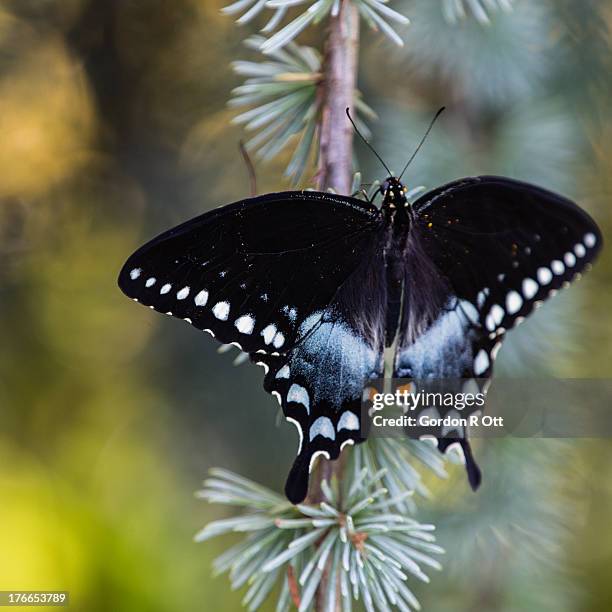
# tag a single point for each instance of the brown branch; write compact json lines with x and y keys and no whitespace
{"x":294,"y":590}
{"x":338,"y":87}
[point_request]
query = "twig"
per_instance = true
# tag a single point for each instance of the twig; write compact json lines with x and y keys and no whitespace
{"x":338,"y":87}
{"x":294,"y":590}
{"x":250,"y":168}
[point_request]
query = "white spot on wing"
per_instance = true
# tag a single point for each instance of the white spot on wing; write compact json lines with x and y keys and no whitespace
{"x":456,"y":449}
{"x":298,"y":394}
{"x":469,"y":386}
{"x":268,"y":333}
{"x":481,"y":363}
{"x":322,"y":427}
{"x":513,"y":302}
{"x":544,"y":275}
{"x":497,"y":312}
{"x":557,"y":267}
{"x":221,"y":310}
{"x":183,"y":293}
{"x":590,"y":240}
{"x":569,"y":259}
{"x":135,"y":273}
{"x":530,"y":288}
{"x":284,"y":372}
{"x":470,"y":310}
{"x":348,"y":420}
{"x":446,"y":429}
{"x":580,"y":250}
{"x":165,"y":289}
{"x":279,"y":340}
{"x":150,"y":281}
{"x":201,"y":298}
{"x":245,"y":324}
{"x":277,"y":395}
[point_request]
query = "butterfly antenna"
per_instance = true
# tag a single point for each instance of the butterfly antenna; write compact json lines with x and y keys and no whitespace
{"x":422,"y":140}
{"x":380,"y":159}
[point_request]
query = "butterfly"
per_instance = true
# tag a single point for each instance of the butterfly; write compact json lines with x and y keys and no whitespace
{"x":314,"y":286}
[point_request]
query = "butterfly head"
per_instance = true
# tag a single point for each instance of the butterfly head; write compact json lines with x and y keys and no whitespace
{"x":394,"y":195}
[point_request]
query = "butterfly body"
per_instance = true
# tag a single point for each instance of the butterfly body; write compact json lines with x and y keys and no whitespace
{"x":397,"y":213}
{"x":314,"y":286}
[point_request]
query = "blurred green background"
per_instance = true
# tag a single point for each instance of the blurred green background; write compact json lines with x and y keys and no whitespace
{"x":113,"y":127}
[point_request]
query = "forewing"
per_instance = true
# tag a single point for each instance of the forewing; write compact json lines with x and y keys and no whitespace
{"x":252,"y":272}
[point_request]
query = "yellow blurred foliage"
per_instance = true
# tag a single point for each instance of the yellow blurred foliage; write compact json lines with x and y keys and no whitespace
{"x":46,"y":118}
{"x":40,"y":550}
{"x":113,"y":127}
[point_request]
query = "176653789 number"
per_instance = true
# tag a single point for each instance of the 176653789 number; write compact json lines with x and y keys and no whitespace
{"x":34,"y":598}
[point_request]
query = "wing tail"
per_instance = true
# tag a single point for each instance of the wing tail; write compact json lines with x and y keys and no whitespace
{"x":471,"y":467}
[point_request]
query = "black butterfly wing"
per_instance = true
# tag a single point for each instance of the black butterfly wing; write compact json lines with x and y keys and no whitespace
{"x":282,"y":276}
{"x":438,"y":340}
{"x":488,"y":251}
{"x":320,"y":382}
{"x":505,"y":245}
{"x":252,"y":271}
